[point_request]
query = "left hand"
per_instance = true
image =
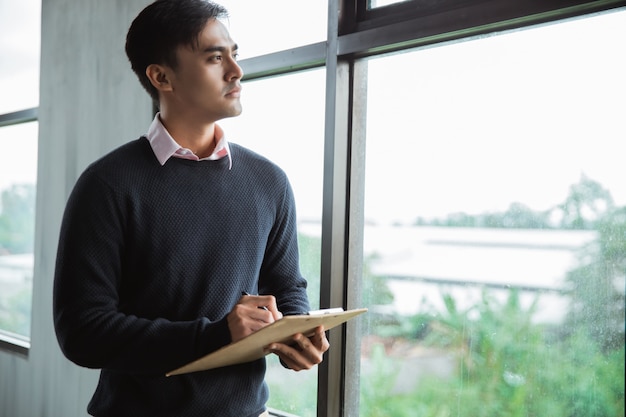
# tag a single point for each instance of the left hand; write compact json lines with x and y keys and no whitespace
{"x":304,"y":352}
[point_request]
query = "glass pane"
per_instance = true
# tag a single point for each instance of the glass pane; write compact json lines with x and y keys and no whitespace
{"x":495,"y":232}
{"x":290,"y":132}
{"x":18,"y":176}
{"x":261,"y":27}
{"x":19,"y":54}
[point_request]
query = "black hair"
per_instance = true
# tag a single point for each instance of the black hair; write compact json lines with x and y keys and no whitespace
{"x":161,"y":28}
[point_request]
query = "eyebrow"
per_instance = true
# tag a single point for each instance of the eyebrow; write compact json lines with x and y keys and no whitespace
{"x":210,"y":49}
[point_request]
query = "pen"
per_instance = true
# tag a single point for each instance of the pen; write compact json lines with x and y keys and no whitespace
{"x":261,"y":307}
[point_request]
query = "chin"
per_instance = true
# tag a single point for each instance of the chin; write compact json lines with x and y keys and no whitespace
{"x":235,"y":112}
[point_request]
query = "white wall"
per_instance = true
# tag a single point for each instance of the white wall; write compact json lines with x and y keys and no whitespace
{"x":90,"y":102}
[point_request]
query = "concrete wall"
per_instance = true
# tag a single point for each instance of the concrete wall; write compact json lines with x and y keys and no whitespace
{"x":90,"y":102}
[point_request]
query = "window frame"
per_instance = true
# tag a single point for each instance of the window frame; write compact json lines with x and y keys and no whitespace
{"x":356,"y":32}
{"x":18,"y":117}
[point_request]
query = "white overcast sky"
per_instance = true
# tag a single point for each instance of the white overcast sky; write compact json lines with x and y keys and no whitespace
{"x":540,"y":107}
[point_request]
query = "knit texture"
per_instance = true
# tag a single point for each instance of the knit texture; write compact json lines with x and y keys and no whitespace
{"x":152,"y":258}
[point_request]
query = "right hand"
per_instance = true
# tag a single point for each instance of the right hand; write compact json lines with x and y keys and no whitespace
{"x":250,"y":314}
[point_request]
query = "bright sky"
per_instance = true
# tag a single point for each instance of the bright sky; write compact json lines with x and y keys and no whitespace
{"x":19,"y":87}
{"x":470,"y":126}
{"x":19,"y":54}
{"x":475,"y":126}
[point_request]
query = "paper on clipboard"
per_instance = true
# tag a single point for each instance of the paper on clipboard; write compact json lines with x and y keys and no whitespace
{"x":251,"y":347}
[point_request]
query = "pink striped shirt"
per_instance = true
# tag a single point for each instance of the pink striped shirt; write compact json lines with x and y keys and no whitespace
{"x":164,"y":146}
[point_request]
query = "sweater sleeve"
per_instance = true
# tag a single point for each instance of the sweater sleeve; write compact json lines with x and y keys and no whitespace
{"x":91,"y":329}
{"x":280,"y":273}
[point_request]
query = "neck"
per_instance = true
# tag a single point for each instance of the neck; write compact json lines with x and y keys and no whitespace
{"x":188,"y":132}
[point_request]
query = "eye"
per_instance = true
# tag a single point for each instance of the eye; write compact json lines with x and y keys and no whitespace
{"x":214,"y":58}
{"x":236,"y":56}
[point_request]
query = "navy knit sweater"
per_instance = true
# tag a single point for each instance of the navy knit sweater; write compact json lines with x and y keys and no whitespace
{"x":152,"y":258}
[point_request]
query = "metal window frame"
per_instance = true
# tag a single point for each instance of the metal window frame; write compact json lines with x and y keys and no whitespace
{"x":14,"y":343}
{"x":17,"y":117}
{"x":356,"y":32}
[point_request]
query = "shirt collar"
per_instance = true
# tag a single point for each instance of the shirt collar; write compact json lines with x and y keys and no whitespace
{"x":164,"y":146}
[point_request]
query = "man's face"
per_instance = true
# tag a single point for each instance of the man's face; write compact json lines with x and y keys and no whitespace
{"x":206,"y":82}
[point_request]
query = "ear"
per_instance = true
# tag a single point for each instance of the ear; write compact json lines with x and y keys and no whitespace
{"x":159,"y":77}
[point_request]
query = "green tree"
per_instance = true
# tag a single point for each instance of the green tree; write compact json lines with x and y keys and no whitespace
{"x":508,"y":365}
{"x":597,"y":284}
{"x":310,"y":266}
{"x":585,"y":204}
{"x":587,"y":201}
{"x":17,"y":219}
{"x":15,"y":312}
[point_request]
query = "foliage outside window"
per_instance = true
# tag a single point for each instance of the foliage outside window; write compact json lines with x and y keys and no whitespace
{"x":492,"y":180}
{"x":497,"y":349}
{"x":17,"y":227}
{"x":19,"y":83}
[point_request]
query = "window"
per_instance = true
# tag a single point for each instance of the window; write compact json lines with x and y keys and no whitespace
{"x":290,"y":132}
{"x":19,"y":49}
{"x":19,"y":82}
{"x":17,"y":226}
{"x":278,"y":24}
{"x":451,"y":201}
{"x":494,"y":251}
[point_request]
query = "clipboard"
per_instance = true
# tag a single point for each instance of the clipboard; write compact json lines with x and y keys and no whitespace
{"x":251,"y":347}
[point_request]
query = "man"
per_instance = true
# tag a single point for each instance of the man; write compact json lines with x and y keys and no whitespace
{"x":161,"y":237}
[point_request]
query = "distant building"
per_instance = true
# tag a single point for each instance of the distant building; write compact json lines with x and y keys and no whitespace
{"x":421,"y":263}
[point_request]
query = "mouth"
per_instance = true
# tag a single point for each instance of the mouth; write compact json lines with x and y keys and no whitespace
{"x":234,"y":93}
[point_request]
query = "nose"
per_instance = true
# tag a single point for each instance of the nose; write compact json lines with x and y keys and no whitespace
{"x":234,"y":71}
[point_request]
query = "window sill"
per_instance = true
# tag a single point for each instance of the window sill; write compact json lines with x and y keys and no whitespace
{"x":14,"y":343}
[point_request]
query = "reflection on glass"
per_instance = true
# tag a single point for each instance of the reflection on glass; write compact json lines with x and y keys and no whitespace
{"x":260,"y":27}
{"x":495,"y":237}
{"x":380,"y":3}
{"x":18,"y":174}
{"x":283,"y":120}
{"x":19,"y":54}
